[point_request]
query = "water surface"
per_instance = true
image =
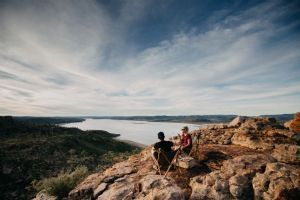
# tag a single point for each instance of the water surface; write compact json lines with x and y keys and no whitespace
{"x":138,"y":131}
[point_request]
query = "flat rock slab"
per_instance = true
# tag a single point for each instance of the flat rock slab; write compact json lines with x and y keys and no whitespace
{"x":186,"y":162}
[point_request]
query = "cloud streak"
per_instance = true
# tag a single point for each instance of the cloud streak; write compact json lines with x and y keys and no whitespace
{"x":76,"y":58}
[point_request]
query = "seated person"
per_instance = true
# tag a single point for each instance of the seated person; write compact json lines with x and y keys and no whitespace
{"x":165,"y":146}
{"x":186,"y":140}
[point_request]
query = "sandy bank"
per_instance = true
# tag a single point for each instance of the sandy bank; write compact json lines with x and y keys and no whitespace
{"x":132,"y":143}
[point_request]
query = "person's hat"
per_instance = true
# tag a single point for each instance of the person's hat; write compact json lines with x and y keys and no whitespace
{"x":185,"y":128}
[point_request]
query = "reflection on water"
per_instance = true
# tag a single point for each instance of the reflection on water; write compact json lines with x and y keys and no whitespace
{"x":137,"y":131}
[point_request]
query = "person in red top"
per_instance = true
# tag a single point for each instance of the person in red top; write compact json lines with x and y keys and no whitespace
{"x":186,"y":140}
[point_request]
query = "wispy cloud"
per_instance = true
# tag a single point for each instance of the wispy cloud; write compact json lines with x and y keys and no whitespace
{"x":78,"y":58}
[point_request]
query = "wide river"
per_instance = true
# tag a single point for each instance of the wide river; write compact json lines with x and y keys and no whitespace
{"x":137,"y":131}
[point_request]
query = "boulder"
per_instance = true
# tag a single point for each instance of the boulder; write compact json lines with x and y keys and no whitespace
{"x":84,"y":190}
{"x":43,"y":196}
{"x":215,"y":126}
{"x":252,"y":141}
{"x":246,"y":164}
{"x":240,"y":186}
{"x":148,"y":187}
{"x":90,"y":186}
{"x":99,"y":189}
{"x":287,"y":153}
{"x":120,"y":169}
{"x":186,"y":162}
{"x":232,"y":181}
{"x":259,"y":124}
{"x":295,"y":124}
{"x":287,"y":124}
{"x":212,"y":186}
{"x":279,"y":181}
{"x":120,"y":189}
{"x":160,"y":188}
{"x":236,"y":122}
{"x":280,"y":132}
{"x":216,"y":136}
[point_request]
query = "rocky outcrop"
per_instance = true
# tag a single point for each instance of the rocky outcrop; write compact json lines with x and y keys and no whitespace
{"x":148,"y":187}
{"x":287,"y":153}
{"x":251,"y":141}
{"x":85,"y":188}
{"x":215,"y":126}
{"x":232,"y":181}
{"x":97,"y":183}
{"x":44,"y":196}
{"x":255,"y":133}
{"x":236,"y":122}
{"x":294,"y":124}
{"x":215,"y":136}
{"x":250,"y":158}
{"x":279,"y":181}
{"x":134,"y":178}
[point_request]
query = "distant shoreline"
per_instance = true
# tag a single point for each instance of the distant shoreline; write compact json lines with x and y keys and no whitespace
{"x":145,"y":121}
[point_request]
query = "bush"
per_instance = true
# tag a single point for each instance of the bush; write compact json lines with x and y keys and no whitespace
{"x":61,"y":185}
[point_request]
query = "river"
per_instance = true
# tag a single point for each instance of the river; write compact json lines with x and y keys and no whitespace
{"x":137,"y":131}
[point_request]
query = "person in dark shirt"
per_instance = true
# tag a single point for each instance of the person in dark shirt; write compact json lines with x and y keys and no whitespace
{"x":166,"y":147}
{"x":162,"y":144}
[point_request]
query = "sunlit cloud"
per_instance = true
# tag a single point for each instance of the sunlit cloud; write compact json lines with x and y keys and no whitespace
{"x":81,"y":58}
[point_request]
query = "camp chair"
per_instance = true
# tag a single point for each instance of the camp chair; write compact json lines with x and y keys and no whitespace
{"x":164,"y":159}
{"x":196,"y":139}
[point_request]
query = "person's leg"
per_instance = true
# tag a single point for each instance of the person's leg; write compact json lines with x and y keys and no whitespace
{"x":171,"y":155}
{"x":187,"y":150}
{"x":154,"y":154}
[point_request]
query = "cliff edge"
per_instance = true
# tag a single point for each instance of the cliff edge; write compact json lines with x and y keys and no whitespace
{"x":249,"y":158}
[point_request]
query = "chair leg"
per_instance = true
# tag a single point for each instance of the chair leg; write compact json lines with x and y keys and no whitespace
{"x":157,"y":164}
{"x":174,"y":159}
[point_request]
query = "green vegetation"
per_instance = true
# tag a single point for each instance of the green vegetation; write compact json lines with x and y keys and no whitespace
{"x":61,"y":185}
{"x":31,"y":152}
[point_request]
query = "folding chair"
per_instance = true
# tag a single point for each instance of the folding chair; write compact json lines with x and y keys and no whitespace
{"x":163,"y":159}
{"x":196,"y":140}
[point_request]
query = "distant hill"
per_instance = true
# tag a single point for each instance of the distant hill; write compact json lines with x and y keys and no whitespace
{"x":281,"y":117}
{"x":48,"y":120}
{"x":198,"y":119}
{"x":180,"y":118}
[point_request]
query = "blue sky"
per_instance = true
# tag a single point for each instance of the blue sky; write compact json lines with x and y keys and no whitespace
{"x":135,"y":57}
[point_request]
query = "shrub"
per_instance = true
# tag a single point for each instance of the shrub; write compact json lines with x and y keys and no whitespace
{"x":61,"y":185}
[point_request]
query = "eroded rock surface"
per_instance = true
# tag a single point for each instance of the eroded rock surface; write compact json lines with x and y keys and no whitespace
{"x":279,"y":181}
{"x":287,"y":153}
{"x":232,"y":181}
{"x":246,"y":159}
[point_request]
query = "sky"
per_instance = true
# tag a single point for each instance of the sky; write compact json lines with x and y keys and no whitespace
{"x":149,"y":57}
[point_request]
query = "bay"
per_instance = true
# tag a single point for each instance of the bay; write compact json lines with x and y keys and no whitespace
{"x":142,"y":132}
